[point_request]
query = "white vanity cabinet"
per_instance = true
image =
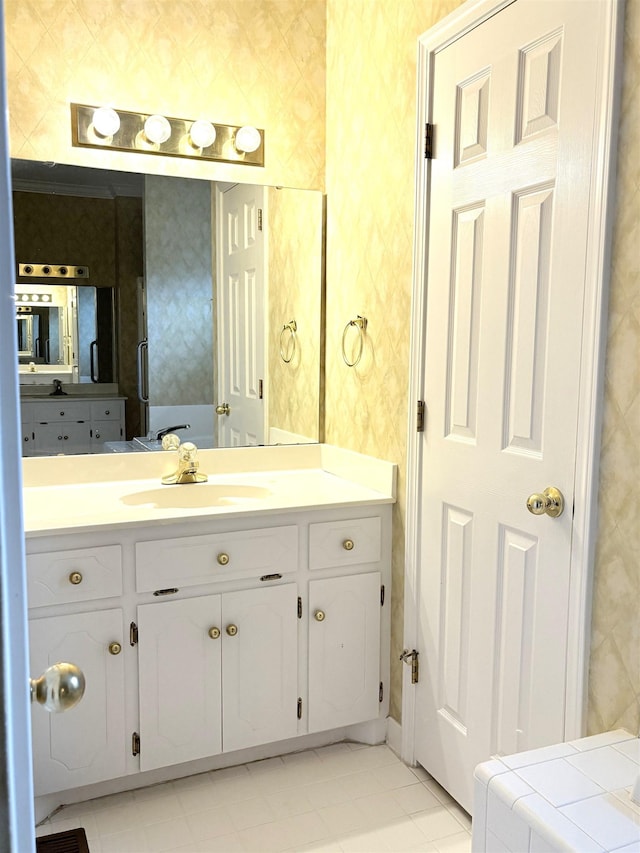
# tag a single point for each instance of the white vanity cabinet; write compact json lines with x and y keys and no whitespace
{"x":53,"y":425}
{"x":89,"y":742}
{"x":234,"y":632}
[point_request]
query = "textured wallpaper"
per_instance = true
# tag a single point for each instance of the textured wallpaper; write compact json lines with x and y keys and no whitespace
{"x":179,"y":280}
{"x":295,"y":293}
{"x":371,"y":100}
{"x":248,"y":62}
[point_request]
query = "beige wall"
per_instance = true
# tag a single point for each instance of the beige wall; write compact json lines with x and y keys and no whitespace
{"x":371,"y":50}
{"x":295,"y":293}
{"x":370,"y":81}
{"x":247,"y":62}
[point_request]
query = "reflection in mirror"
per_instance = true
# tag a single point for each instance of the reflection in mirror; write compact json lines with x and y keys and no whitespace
{"x":154,"y":247}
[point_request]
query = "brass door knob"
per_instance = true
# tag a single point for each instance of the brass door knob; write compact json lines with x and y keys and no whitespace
{"x":75,"y":578}
{"x":223,"y":409}
{"x":551,"y":502}
{"x":232,"y":630}
{"x":59,"y":688}
{"x":223,"y":559}
{"x":214,"y":633}
{"x":115,"y":648}
{"x":319,"y":615}
{"x":348,"y":545}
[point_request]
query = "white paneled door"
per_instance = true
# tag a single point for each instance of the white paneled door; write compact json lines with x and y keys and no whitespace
{"x":241,"y":317}
{"x":513,"y":109}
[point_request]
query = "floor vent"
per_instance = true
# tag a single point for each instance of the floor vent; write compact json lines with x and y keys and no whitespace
{"x":71,"y":841}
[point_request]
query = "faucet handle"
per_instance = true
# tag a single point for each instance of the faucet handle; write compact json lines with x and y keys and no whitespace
{"x":170,"y":441}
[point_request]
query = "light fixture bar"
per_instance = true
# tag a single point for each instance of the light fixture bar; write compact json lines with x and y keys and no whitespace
{"x":227,"y":145}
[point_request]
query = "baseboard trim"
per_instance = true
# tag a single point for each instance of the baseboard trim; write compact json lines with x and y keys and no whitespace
{"x":394,"y":736}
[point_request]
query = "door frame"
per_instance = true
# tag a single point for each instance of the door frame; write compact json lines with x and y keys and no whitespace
{"x":594,"y":339}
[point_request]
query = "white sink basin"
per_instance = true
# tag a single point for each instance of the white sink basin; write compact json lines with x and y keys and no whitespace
{"x":196,"y":496}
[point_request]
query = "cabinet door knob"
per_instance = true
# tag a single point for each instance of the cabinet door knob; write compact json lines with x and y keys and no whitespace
{"x":214,"y":633}
{"x":115,"y":648}
{"x":348,"y":544}
{"x":75,"y":578}
{"x":232,"y":630}
{"x":223,"y":559}
{"x":319,"y":615}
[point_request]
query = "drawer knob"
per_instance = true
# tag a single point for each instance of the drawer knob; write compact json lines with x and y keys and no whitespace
{"x":223,"y":559}
{"x":115,"y":648}
{"x":348,"y":544}
{"x":75,"y":578}
{"x":319,"y":615}
{"x":232,"y":630}
{"x":214,"y":633}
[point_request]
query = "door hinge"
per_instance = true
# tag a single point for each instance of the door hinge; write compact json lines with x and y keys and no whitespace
{"x":299,"y":708}
{"x":135,"y":744}
{"x":133,"y":634}
{"x":382,"y":596}
{"x":420,"y":417}
{"x":259,"y":219}
{"x":428,"y":141}
{"x":299,"y":607}
{"x":411,"y":657}
{"x":381,"y":692}
{"x":260,"y":389}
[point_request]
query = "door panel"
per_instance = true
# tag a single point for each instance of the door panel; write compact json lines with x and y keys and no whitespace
{"x":509,"y":196}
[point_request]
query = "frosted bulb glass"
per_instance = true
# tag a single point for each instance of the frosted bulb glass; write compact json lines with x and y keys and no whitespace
{"x":157,"y":129}
{"x":202,"y":134}
{"x":248,"y":139}
{"x":106,"y":121}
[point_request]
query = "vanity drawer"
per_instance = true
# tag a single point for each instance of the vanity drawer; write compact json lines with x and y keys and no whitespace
{"x":60,"y":411}
{"x":196,"y":560}
{"x":106,"y":410}
{"x":62,"y":577}
{"x":344,"y":543}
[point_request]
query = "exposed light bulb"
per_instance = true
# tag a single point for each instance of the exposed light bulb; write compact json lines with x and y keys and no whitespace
{"x":248,"y":139}
{"x":202,"y":134}
{"x":157,"y":129}
{"x":106,"y":121}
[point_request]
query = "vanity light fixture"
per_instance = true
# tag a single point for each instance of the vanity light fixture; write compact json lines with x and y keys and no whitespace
{"x":199,"y":139}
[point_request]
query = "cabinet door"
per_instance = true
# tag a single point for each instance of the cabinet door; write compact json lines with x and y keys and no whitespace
{"x":88,"y":743}
{"x":260,"y":666}
{"x":344,"y":650}
{"x":179,"y":658}
{"x":102,"y":431}
{"x":62,"y":437}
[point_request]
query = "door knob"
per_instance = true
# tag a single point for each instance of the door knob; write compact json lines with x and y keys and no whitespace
{"x":550,"y":502}
{"x":232,"y":630}
{"x":59,"y":688}
{"x":223,"y":409}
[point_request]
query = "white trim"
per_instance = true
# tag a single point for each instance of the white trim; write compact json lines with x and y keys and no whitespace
{"x":454,"y":26}
{"x":394,"y":735}
{"x":16,"y":831}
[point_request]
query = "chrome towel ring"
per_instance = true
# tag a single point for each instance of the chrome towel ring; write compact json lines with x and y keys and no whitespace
{"x":288,"y":343}
{"x":361,"y":325}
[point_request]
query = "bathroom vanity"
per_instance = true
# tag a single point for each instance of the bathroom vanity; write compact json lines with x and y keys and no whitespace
{"x":68,"y":424}
{"x":210,"y":618}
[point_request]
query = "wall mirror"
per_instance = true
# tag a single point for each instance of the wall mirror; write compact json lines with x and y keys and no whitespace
{"x":160,"y":254}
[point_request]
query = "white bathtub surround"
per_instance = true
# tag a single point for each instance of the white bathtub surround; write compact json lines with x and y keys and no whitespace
{"x":570,"y":796}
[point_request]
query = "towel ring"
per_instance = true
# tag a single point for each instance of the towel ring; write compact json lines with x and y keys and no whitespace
{"x":361,"y":324}
{"x":288,"y":345}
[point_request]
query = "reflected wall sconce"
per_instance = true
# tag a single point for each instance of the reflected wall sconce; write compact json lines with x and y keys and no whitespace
{"x":199,"y":139}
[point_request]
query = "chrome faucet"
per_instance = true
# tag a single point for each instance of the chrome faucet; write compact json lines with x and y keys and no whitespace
{"x":162,"y":432}
{"x":187,"y":462}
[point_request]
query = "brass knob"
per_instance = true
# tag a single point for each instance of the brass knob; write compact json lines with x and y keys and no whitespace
{"x":223,"y":559}
{"x":115,"y":648}
{"x":223,"y":409}
{"x":75,"y":578}
{"x":551,"y":502}
{"x":319,"y":615}
{"x":214,"y":633}
{"x":59,"y":688}
{"x":348,"y":544}
{"x":232,"y":630}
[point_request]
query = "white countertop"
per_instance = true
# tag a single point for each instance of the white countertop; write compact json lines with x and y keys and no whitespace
{"x":64,"y":494}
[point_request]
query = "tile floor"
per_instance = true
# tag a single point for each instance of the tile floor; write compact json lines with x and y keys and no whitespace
{"x":344,"y":797}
